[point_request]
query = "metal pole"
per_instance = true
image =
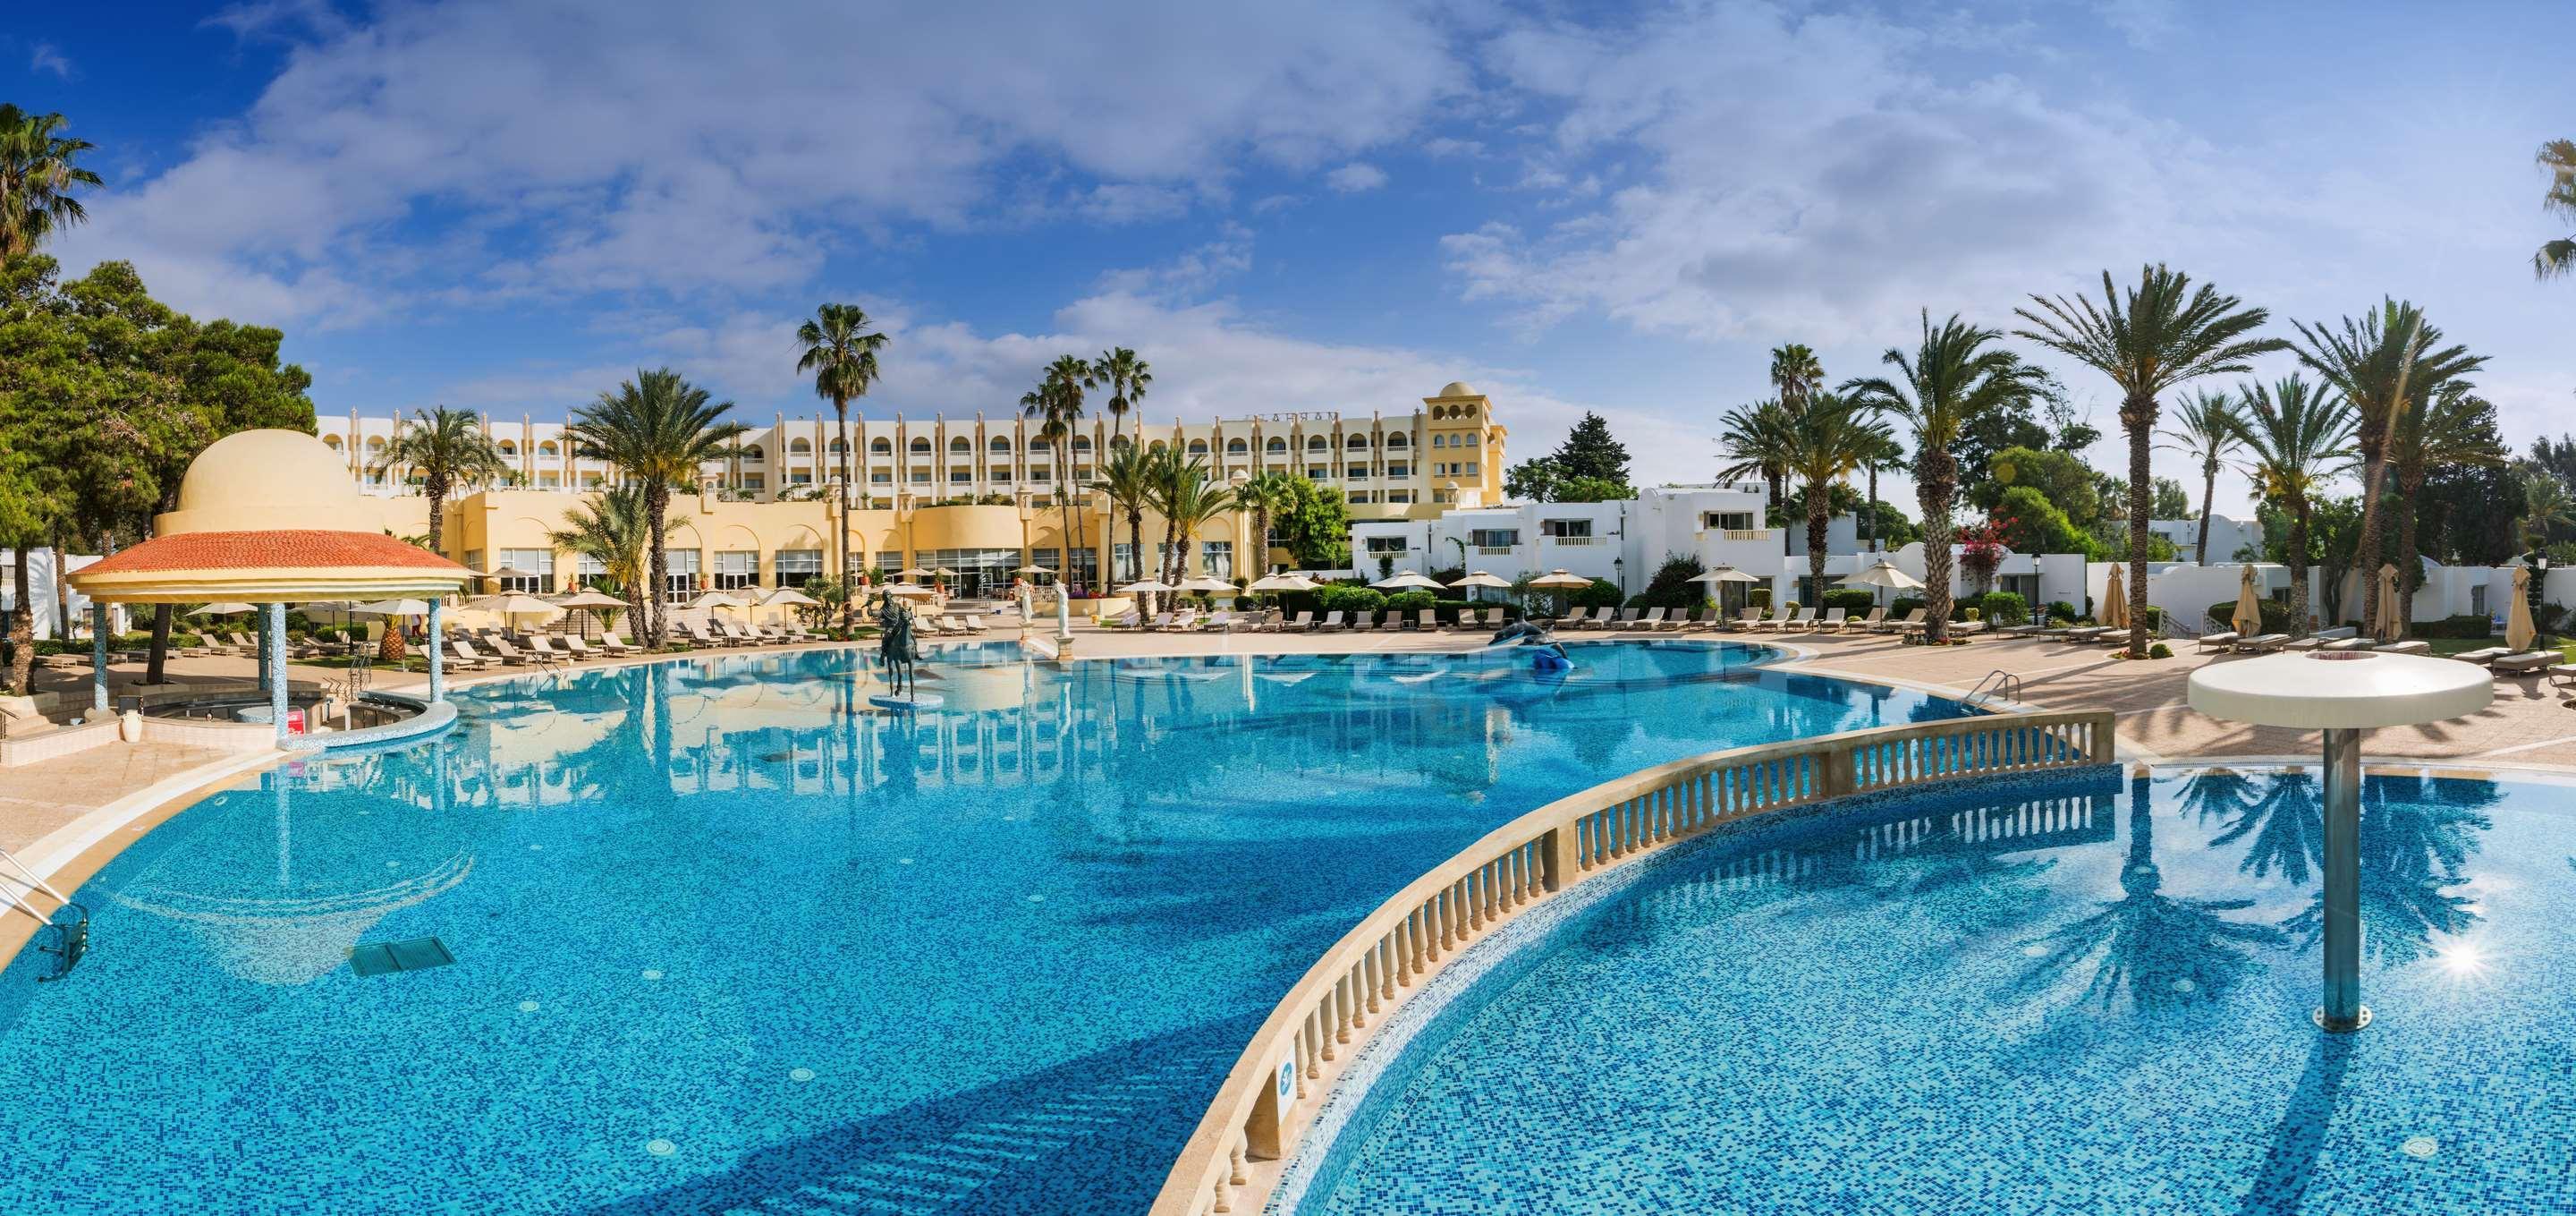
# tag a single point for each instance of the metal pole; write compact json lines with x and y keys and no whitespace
{"x":97,"y":655}
{"x":437,"y":678}
{"x":2343,"y":1010}
{"x":277,"y":668}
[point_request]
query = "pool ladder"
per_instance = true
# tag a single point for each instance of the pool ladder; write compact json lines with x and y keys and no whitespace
{"x":70,"y":935}
{"x":1999,"y":685}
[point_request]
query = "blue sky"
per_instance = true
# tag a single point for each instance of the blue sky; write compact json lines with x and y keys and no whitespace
{"x":508,"y":205}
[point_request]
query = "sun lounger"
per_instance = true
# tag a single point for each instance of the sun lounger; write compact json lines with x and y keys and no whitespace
{"x":1332,"y":622}
{"x":2528,"y":663}
{"x":1801,"y":623}
{"x":1833,"y":621}
{"x":2409,"y":646}
{"x":1572,"y":619}
{"x":2484,"y":656}
{"x":1161,"y":622}
{"x":1305,"y":621}
{"x":2220,"y":641}
{"x":2562,"y":675}
{"x":544,"y":653}
{"x":1863,"y":624}
{"x":1673,"y":622}
{"x":578,"y":649}
{"x":1913,"y":620}
{"x":2318,"y":639}
{"x":514,"y":656}
{"x":614,"y":644}
{"x":1184,"y":622}
{"x":1765,"y":624}
{"x":1961,"y":629}
{"x":461,"y":654}
{"x":2262,"y":643}
{"x":2341,"y":644}
{"x":1222,"y":622}
{"x":1638,"y":619}
{"x":697,"y":631}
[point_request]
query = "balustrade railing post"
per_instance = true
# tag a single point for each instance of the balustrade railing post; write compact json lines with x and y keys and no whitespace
{"x":1556,"y":853}
{"x":1834,"y":771}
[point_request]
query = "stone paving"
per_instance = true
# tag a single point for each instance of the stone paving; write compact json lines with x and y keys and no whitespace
{"x":36,"y":799}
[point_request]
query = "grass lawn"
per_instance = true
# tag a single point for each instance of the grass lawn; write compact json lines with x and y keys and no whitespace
{"x":2451,"y":646}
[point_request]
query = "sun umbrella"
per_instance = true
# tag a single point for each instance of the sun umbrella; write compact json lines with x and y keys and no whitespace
{"x":1885,"y":574}
{"x":1031,"y":569}
{"x":2391,"y":619}
{"x":393,"y":608}
{"x":908,"y":589}
{"x":2115,"y":601}
{"x":943,"y":572}
{"x":506,"y":572}
{"x":513,"y":603}
{"x":2248,"y":618}
{"x":1479,"y":578}
{"x":1283,"y":582}
{"x":2518,"y":629}
{"x":914,"y":572}
{"x":1206,"y":582}
{"x":716,"y":599}
{"x":225,"y":609}
{"x":1407,"y":581}
{"x":789,"y":597}
{"x":588,"y":598}
{"x":1729,"y":574}
{"x":1145,"y":586}
{"x":1559,"y":578}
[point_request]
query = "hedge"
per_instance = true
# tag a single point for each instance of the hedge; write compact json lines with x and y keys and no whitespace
{"x":2276,"y":617}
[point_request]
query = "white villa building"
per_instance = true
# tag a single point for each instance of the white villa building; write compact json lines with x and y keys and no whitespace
{"x":2227,"y":537}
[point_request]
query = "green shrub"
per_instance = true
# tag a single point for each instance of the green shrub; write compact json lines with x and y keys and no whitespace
{"x":1410,"y":602}
{"x":1672,"y":586}
{"x":1342,"y":597}
{"x":2464,"y":626}
{"x":2159,"y":651}
{"x":1851,"y":599}
{"x":1601,"y":594}
{"x":2276,"y":617}
{"x":1903,"y":606}
{"x":2061,"y":610}
{"x":1999,"y":607}
{"x":1757,"y":597}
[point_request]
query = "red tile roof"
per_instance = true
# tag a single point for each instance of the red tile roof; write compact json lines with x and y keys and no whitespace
{"x":299,"y":549}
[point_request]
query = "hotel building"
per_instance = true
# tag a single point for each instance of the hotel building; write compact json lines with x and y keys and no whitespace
{"x":978,"y":495}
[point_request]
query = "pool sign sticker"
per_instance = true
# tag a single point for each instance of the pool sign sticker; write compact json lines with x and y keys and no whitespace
{"x":1287,"y":1080}
{"x":295,"y":721}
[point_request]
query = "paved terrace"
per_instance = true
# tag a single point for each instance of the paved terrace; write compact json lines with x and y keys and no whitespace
{"x":2529,"y":723}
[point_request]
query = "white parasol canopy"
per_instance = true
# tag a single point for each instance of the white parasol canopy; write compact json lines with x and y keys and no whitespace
{"x":790,"y":597}
{"x":2248,"y":617}
{"x":1729,"y":574}
{"x":1145,"y":586}
{"x":1559,"y":578}
{"x":1284,"y":582}
{"x":1407,"y":581}
{"x":2518,"y":627}
{"x":2391,"y":620}
{"x":393,"y":608}
{"x":224,"y":609}
{"x":513,"y":603}
{"x":1883,"y":574}
{"x":718,"y":599}
{"x":1206,"y":582}
{"x":908,"y":590}
{"x":2115,"y":601}
{"x":1478,"y":578}
{"x":588,"y":598}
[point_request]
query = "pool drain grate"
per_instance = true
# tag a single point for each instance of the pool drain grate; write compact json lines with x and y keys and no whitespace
{"x":385,"y":958}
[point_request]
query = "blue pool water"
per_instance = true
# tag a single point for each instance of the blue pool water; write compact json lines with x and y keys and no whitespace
{"x":2089,"y":1001}
{"x":727,"y":939}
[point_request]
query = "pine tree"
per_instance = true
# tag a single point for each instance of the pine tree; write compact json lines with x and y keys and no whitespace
{"x":1589,"y":451}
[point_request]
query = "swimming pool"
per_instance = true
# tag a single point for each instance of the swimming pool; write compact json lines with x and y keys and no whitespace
{"x":724,"y":938}
{"x":2087,"y":998}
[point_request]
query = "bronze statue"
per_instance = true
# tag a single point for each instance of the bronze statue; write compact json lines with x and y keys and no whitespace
{"x":895,"y":644}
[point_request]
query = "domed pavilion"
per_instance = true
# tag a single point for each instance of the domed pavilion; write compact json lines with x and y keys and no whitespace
{"x":257,"y":523}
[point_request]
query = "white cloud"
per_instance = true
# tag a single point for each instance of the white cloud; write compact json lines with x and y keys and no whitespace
{"x":664,"y":146}
{"x":49,"y":58}
{"x":1355,"y":178}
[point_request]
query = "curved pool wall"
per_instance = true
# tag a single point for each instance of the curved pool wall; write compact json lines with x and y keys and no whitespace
{"x":2081,"y":995}
{"x":724,"y":940}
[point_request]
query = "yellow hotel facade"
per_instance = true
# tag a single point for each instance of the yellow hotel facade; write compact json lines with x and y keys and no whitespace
{"x":975,"y":495}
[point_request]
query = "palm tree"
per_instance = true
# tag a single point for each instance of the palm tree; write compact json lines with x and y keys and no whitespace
{"x":1957,"y":375}
{"x":658,"y":430}
{"x":835,"y":345}
{"x":37,"y":177}
{"x":2205,"y":428}
{"x":1057,"y":405}
{"x":2382,"y":362}
{"x":1264,"y":498}
{"x":1796,"y":373}
{"x":1756,"y":438}
{"x":1831,"y":436}
{"x":1889,"y":452}
{"x":1128,"y":478}
{"x":614,"y":529}
{"x":2448,"y":433}
{"x":2157,"y":336}
{"x":2299,"y":437}
{"x":1187,"y":500}
{"x":2545,"y":506}
{"x":449,"y":451}
{"x":1124,"y":375}
{"x":2558,"y":257}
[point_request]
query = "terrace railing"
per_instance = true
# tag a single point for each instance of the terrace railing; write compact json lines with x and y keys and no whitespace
{"x":1231,"y":1161}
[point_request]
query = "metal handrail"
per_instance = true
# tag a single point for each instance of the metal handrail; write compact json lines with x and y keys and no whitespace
{"x":1999,"y":684}
{"x":71,"y":940}
{"x":1276,"y":1085}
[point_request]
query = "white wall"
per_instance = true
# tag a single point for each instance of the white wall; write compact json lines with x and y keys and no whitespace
{"x":40,"y":573}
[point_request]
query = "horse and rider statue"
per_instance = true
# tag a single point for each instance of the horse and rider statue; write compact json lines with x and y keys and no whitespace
{"x":897,"y":646}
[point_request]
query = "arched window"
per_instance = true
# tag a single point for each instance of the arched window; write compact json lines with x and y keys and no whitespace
{"x":1198,"y":447}
{"x":546,"y":449}
{"x":836,"y":447}
{"x":333,"y":441}
{"x":881,"y":446}
{"x":920,"y":446}
{"x":1001,"y":445}
{"x":1356,"y":442}
{"x":1395,"y":440}
{"x":960,"y":444}
{"x":508,"y":448}
{"x":376,"y":444}
{"x":800,"y":447}
{"x":1237,"y":447}
{"x":753,"y":454}
{"x":1276,"y":446}
{"x":1082,"y":443}
{"x":1315,"y":443}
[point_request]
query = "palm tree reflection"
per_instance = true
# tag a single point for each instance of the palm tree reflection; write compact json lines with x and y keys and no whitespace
{"x":2163,"y":951}
{"x":2416,"y":838}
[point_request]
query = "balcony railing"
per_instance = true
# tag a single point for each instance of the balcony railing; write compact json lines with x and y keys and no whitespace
{"x":1572,"y":540}
{"x":1266,"y":1102}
